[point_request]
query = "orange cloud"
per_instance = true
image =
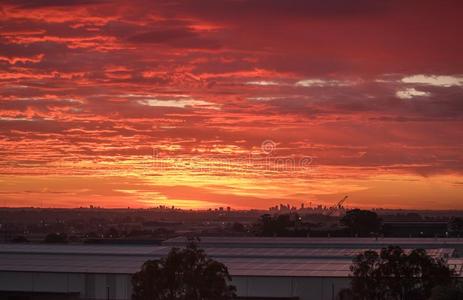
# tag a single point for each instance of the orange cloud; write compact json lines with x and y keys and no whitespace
{"x":141,"y":103}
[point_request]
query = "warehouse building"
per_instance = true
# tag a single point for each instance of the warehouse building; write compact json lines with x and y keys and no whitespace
{"x":261,"y":268}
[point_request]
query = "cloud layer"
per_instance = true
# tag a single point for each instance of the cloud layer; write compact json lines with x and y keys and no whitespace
{"x":169,"y":102}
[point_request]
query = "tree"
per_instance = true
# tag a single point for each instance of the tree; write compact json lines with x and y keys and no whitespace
{"x":56,"y":238}
{"x":184,"y":274}
{"x":393,"y":274}
{"x":19,"y":239}
{"x":447,"y":293}
{"x":456,"y":225}
{"x":238,"y":227}
{"x":361,"y":222}
{"x":112,"y":233}
{"x":280,"y":225}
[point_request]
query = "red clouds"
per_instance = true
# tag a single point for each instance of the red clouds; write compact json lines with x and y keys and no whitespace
{"x":369,"y":90}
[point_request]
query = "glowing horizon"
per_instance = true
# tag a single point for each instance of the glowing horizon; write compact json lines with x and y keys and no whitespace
{"x":194,"y":105}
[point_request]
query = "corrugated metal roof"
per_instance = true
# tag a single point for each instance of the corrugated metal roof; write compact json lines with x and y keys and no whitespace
{"x":129,"y":265}
{"x":156,"y":251}
{"x":84,"y":249}
{"x":307,"y":262}
{"x":276,"y":242}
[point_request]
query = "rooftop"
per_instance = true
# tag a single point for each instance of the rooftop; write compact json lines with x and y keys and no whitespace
{"x":241,"y":261}
{"x":311,"y":242}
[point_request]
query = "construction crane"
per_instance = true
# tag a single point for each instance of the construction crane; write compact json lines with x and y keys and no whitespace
{"x":337,"y":206}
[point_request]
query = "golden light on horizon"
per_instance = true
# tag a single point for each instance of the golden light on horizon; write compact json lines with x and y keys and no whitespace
{"x":145,"y":104}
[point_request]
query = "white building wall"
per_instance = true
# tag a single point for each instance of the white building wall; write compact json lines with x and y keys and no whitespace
{"x":16,"y":281}
{"x":97,"y":286}
{"x":89,"y":286}
{"x":306,"y":288}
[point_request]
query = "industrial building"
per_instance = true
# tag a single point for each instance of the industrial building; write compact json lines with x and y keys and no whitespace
{"x":261,"y":268}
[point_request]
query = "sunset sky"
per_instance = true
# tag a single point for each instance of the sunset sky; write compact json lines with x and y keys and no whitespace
{"x":241,"y":103}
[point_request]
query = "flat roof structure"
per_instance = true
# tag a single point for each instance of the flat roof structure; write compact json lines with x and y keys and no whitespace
{"x":158,"y":251}
{"x":131,"y":264}
{"x":127,"y":259}
{"x":313,"y":242}
{"x":269,"y":268}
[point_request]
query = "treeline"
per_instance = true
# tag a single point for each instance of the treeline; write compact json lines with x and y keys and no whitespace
{"x":356,"y":222}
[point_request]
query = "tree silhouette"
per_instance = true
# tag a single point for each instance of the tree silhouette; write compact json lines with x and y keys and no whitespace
{"x":361,"y":222}
{"x":393,"y":274}
{"x":447,"y":293}
{"x":456,"y":226}
{"x":56,"y":238}
{"x":184,"y":274}
{"x":280,"y":225}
